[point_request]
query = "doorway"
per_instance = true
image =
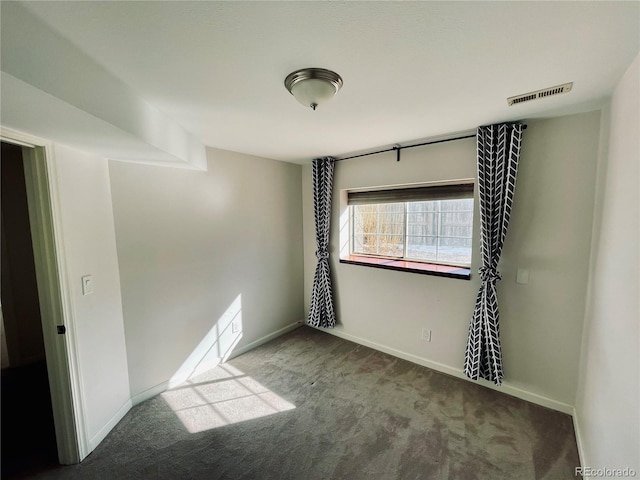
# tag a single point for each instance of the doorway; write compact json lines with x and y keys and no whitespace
{"x":28,"y":432}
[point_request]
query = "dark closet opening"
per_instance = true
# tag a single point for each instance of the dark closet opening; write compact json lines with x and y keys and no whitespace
{"x":28,"y":441}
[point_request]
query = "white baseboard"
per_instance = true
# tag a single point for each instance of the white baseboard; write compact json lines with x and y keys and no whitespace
{"x":158,"y":389}
{"x":98,"y":437}
{"x":579,"y":441}
{"x":266,"y":338}
{"x":504,"y":388}
{"x":150,"y":393}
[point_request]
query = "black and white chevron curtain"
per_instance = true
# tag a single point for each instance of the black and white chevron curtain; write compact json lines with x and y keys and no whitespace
{"x":321,"y":312}
{"x":498,"y":153}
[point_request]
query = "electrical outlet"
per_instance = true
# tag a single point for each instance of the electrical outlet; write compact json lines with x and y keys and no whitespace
{"x":426,"y":334}
{"x":522,"y":276}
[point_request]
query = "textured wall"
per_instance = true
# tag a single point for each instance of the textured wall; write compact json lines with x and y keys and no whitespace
{"x":87,"y":228}
{"x":608,"y":399}
{"x":550,"y":235}
{"x":191,"y":243}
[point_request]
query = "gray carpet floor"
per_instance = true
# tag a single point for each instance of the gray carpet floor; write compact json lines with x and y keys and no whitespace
{"x":309,"y":405}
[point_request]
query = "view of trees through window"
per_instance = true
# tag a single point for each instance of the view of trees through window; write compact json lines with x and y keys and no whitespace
{"x":436,"y":231}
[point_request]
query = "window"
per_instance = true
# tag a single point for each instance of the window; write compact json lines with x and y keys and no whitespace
{"x":418,"y":228}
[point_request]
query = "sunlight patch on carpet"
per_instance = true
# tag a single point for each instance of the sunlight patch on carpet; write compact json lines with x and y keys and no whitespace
{"x":222,"y":396}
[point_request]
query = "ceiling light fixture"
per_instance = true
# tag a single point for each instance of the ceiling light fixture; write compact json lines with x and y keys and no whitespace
{"x":312,"y":86}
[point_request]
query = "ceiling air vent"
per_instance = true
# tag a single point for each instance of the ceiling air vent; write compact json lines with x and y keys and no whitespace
{"x":547,"y":92}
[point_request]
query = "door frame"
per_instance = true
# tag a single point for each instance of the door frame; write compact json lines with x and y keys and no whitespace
{"x":54,"y":292}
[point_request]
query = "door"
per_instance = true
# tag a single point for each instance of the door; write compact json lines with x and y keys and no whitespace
{"x":73,"y":237}
{"x":33,"y":306}
{"x":25,"y":386}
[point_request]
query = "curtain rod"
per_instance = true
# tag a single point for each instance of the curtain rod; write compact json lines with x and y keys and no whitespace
{"x":397,"y":148}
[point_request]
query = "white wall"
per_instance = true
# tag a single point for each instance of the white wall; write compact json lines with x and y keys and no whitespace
{"x":550,"y":235}
{"x":608,"y":402}
{"x":85,"y":209}
{"x":189,"y":244}
{"x":95,"y":111}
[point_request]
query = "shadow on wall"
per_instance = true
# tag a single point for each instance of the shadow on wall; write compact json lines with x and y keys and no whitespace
{"x":206,"y":395}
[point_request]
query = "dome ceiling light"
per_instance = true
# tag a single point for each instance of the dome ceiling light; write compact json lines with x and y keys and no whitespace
{"x":312,"y":86}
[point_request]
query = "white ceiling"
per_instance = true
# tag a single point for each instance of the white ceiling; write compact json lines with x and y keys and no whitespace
{"x":411,"y":70}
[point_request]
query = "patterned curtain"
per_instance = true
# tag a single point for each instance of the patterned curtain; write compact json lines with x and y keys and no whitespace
{"x":321,"y":313}
{"x":498,"y":153}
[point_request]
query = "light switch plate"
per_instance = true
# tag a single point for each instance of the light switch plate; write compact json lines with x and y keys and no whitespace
{"x":87,"y":284}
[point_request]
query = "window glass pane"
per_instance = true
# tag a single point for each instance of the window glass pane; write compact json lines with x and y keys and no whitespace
{"x":422,"y":248}
{"x":422,"y":206}
{"x":444,"y":234}
{"x":378,"y":229}
{"x":438,"y":231}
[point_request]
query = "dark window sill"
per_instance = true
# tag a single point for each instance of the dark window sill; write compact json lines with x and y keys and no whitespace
{"x":413,"y":267}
